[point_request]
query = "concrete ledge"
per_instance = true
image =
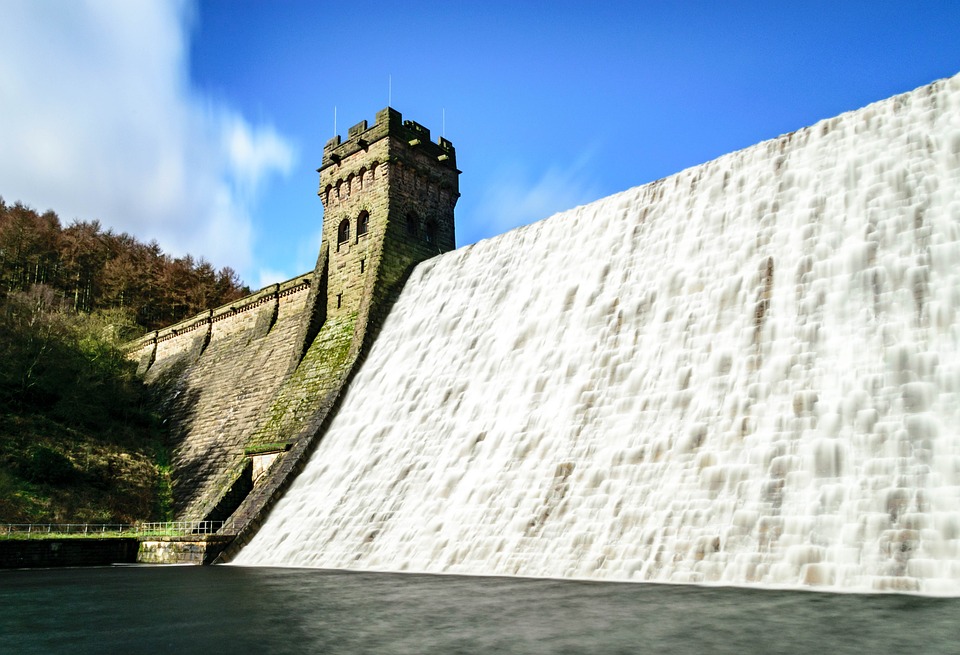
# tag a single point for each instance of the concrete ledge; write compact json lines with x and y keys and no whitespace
{"x":193,"y":549}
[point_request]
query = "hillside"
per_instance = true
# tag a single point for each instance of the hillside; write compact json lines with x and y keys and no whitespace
{"x":79,"y":441}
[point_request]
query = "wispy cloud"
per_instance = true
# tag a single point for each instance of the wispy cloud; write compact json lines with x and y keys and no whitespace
{"x":253,"y":153}
{"x":516,"y":197}
{"x":99,"y":120}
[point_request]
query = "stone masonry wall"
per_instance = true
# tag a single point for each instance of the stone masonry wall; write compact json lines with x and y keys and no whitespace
{"x":49,"y":553}
{"x":212,"y":396}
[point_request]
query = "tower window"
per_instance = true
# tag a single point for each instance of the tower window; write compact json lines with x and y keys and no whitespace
{"x":363,"y":223}
{"x":363,"y":265}
{"x":339,"y":300}
{"x":343,"y":233}
{"x":431,"y":232}
{"x":412,"y":224}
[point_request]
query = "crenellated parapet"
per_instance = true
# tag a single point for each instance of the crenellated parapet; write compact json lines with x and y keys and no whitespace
{"x":388,"y":123}
{"x":364,"y":159}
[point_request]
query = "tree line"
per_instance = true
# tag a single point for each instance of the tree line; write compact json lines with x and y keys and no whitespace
{"x":93,"y":269}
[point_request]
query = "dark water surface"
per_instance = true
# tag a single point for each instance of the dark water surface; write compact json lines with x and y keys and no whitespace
{"x":246,"y":610}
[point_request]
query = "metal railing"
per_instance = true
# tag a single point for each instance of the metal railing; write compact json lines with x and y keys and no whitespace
{"x":179,"y":527}
{"x":146,"y":529}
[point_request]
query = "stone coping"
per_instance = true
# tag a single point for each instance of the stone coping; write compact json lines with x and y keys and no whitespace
{"x":246,"y":303}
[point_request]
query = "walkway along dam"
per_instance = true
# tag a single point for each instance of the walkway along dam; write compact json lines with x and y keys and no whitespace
{"x":745,"y":373}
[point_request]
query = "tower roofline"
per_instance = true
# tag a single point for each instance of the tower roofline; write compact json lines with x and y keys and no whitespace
{"x":388,"y":123}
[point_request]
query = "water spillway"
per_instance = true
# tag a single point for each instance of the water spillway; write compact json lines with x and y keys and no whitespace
{"x":745,"y":373}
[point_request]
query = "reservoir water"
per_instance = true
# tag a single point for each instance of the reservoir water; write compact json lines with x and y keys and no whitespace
{"x":284,"y":610}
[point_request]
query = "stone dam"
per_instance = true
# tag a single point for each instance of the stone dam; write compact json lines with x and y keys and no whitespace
{"x":746,"y":373}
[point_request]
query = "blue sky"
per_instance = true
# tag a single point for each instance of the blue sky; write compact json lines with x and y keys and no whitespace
{"x":202,"y":124}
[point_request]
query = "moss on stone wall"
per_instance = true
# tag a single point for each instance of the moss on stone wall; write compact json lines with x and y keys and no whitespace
{"x":320,"y":372}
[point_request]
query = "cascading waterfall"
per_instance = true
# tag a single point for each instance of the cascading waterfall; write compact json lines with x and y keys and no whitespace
{"x":746,"y":373}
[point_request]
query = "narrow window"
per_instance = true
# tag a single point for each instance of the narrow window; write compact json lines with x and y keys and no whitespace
{"x":339,"y":300}
{"x":431,"y":232}
{"x":363,"y":223}
{"x":412,"y":224}
{"x":363,"y":263}
{"x":343,"y":233}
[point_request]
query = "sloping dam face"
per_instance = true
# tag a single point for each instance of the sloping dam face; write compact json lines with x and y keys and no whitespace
{"x":746,"y":373}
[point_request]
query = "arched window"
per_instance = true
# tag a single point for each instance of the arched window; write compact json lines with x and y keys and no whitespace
{"x":431,"y":232}
{"x":412,"y":223}
{"x":363,"y":223}
{"x":343,"y":233}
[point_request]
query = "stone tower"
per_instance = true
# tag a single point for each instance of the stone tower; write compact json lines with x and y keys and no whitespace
{"x":388,"y":195}
{"x":249,"y":387}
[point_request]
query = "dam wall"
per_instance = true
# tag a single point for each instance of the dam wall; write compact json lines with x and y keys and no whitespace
{"x":746,"y":373}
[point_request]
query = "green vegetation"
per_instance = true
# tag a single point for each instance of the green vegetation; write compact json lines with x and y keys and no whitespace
{"x":78,"y":442}
{"x":273,"y":446}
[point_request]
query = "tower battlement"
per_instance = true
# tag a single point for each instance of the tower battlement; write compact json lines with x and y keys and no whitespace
{"x":388,"y":123}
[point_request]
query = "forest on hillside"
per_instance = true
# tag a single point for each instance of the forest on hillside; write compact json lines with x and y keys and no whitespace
{"x":80,"y":440}
{"x":93,"y":268}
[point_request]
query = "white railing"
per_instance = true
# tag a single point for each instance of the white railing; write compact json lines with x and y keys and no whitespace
{"x":147,"y":529}
{"x":179,"y":527}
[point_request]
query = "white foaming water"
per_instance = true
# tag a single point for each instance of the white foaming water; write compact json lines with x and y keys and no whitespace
{"x":746,"y":373}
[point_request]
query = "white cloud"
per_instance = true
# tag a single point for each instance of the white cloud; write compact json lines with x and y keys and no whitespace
{"x":253,"y":154}
{"x":514,"y":198}
{"x":269,"y":276}
{"x":98,"y":120}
